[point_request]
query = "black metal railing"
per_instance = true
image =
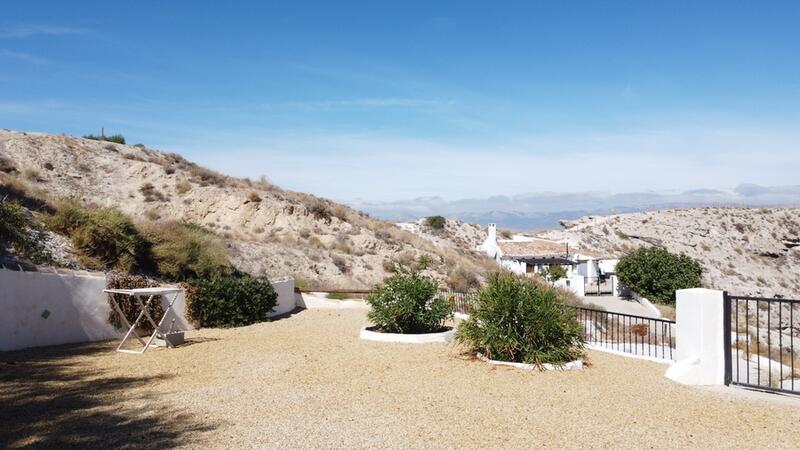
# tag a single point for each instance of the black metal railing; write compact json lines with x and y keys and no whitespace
{"x":760,"y":335}
{"x":637,"y":335}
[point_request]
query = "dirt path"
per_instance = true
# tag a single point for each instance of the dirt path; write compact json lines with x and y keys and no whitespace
{"x":308,"y":381}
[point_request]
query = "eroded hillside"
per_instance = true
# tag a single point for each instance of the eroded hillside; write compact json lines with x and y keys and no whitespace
{"x":268,"y":230}
{"x":744,"y":250}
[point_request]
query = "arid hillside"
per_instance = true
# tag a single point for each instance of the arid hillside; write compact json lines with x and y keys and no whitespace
{"x":456,"y":234}
{"x":268,"y":230}
{"x":744,"y":250}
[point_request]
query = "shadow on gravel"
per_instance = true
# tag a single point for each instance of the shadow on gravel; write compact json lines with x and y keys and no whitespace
{"x":49,"y":400}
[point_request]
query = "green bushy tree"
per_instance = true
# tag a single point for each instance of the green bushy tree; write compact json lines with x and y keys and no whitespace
{"x":230,"y":300}
{"x":407,"y":303}
{"x":655,"y":273}
{"x":436,"y":222}
{"x":519,"y":319}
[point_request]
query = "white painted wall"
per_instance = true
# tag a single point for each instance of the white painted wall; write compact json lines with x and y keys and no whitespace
{"x":573,"y":283}
{"x":607,"y":265}
{"x":514,"y":266}
{"x":700,"y":348}
{"x":287,"y":301}
{"x":78,"y":309}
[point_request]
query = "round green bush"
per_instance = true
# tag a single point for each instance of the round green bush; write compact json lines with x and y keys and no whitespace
{"x":436,"y":222}
{"x":655,"y":273}
{"x":519,"y":319}
{"x":230,"y":300}
{"x":407,"y":303}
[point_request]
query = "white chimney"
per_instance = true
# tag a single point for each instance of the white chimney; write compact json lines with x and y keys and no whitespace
{"x":492,"y":236}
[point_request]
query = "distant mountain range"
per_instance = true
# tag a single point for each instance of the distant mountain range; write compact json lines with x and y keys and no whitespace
{"x":545,"y":210}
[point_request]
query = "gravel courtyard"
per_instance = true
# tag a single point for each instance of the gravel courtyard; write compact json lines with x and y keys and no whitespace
{"x":308,"y":381}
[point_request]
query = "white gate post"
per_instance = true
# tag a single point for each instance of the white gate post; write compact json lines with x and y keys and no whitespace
{"x":700,"y":344}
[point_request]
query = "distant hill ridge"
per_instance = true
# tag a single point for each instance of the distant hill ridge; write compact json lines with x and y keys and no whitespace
{"x":748,"y":251}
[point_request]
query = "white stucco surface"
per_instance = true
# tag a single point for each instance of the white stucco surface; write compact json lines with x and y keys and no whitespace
{"x":426,"y":338}
{"x":41,"y":308}
{"x":75,"y":305}
{"x":286,"y":301}
{"x":700,"y":351}
{"x":572,"y":365}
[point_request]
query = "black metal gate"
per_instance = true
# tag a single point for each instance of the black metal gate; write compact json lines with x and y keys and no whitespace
{"x":762,"y":343}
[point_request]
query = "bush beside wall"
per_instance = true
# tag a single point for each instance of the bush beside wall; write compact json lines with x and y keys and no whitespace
{"x":230,"y":300}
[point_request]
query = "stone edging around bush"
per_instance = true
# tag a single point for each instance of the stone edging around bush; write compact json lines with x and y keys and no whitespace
{"x":426,"y":338}
{"x":572,"y":365}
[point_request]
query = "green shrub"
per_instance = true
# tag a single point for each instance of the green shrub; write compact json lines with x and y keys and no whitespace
{"x":103,"y":238}
{"x":21,"y":233}
{"x":230,"y":300}
{"x":435,"y":222}
{"x":118,"y":138}
{"x":183,"y":251}
{"x":338,"y":296}
{"x":408,"y":304}
{"x":518,"y":319}
{"x":108,"y":239}
{"x":655,"y":273}
{"x":68,"y":217}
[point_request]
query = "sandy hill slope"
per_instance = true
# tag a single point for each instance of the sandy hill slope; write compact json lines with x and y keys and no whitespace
{"x":743,"y":250}
{"x":268,"y":230}
{"x":456,"y":234}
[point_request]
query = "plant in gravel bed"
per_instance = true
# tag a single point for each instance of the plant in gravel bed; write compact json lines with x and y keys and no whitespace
{"x":230,"y":300}
{"x":407,"y":303}
{"x":521,"y":320}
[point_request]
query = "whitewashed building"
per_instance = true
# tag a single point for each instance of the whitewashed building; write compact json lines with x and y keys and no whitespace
{"x":587,"y":272}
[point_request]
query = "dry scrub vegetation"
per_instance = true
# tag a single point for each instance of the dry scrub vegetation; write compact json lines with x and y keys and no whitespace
{"x":266,"y":230}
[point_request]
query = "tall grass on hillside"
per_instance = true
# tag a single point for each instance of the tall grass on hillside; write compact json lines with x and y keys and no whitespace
{"x":182,"y":251}
{"x":21,"y":233}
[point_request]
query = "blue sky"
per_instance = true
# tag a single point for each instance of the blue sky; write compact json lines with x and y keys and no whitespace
{"x":384,"y":101}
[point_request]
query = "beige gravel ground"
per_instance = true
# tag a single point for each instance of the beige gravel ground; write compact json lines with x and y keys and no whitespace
{"x":308,"y":381}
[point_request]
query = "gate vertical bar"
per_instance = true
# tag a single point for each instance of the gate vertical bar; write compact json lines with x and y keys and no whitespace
{"x":726,"y":328}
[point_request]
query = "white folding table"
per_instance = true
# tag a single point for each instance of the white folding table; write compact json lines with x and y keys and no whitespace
{"x":168,"y":293}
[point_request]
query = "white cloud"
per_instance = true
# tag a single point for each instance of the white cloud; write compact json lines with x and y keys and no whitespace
{"x":29,"y":30}
{"x":24,"y":57}
{"x":374,"y":166}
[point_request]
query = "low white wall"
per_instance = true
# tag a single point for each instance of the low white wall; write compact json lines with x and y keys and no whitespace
{"x":287,"y":301}
{"x":699,"y":337}
{"x":574,"y":283}
{"x":78,"y":309}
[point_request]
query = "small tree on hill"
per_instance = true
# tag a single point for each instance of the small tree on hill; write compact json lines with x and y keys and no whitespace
{"x":436,"y":222}
{"x":656,"y":274}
